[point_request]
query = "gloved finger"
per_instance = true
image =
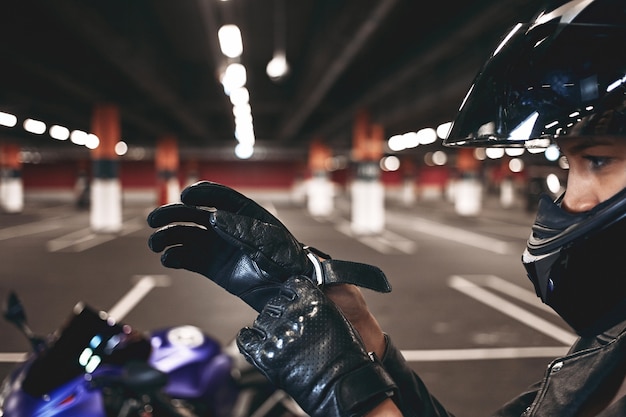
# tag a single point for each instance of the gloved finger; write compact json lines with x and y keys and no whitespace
{"x":210,"y":194}
{"x":267,"y":244}
{"x":180,"y":257}
{"x":249,"y":336}
{"x":249,"y":342}
{"x":177,"y":212}
{"x":192,"y":248}
{"x":183,"y":234}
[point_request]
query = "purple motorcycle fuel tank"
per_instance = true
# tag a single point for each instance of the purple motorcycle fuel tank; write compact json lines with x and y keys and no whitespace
{"x":195,"y":364}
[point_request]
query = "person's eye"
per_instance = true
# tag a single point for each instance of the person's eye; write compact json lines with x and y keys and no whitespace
{"x":598,"y":162}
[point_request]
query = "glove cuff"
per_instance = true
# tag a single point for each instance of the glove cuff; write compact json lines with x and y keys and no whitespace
{"x":363,"y":389}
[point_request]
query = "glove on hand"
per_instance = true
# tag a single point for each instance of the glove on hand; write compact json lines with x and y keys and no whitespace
{"x":306,"y":347}
{"x":230,"y":239}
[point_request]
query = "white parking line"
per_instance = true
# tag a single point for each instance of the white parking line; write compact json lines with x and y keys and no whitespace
{"x":143,"y":286}
{"x":460,"y":236}
{"x":436,"y":355}
{"x":84,"y":239}
{"x":512,"y":290}
{"x":473,"y":289}
{"x":13,"y":357}
{"x":506,"y":307}
{"x":78,"y":241}
{"x":387,"y":242}
{"x":28,"y":229}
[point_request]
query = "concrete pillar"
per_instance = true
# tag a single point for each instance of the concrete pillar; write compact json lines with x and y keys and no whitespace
{"x":167,"y":162}
{"x":106,"y":189}
{"x":11,"y":185}
{"x":192,"y":172}
{"x":468,"y":188}
{"x":507,"y":192}
{"x":299,"y":186}
{"x":320,"y":192}
{"x":367,"y":191}
{"x":408,"y":193}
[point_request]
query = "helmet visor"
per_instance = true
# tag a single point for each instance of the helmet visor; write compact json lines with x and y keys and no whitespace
{"x":543,"y":82}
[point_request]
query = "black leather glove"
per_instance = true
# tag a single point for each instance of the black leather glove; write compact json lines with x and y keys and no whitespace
{"x":227,"y":237}
{"x":306,"y":347}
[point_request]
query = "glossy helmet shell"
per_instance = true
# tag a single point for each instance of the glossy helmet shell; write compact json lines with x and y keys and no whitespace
{"x":561,"y":74}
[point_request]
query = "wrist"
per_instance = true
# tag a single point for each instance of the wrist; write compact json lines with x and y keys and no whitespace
{"x":387,"y":408}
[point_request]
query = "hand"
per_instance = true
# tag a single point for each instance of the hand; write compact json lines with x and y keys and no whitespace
{"x":306,"y":347}
{"x":227,"y":237}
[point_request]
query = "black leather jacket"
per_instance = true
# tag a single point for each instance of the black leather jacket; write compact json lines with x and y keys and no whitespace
{"x":567,"y":384}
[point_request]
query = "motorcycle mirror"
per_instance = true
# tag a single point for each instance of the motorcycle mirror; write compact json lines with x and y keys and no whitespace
{"x":14,"y":310}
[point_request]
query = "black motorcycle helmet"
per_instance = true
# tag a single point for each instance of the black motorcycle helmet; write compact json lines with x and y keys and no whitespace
{"x":561,"y":75}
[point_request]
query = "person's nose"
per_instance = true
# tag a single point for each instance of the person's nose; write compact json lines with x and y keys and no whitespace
{"x":580,"y":196}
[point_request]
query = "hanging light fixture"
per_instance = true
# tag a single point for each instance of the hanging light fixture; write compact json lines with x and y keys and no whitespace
{"x":278,"y":67}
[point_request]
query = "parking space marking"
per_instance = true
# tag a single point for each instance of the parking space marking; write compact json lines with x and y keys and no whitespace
{"x":84,"y":239}
{"x":436,"y":355}
{"x":144,"y":284}
{"x":28,"y":229}
{"x":463,"y":236}
{"x":386,"y":242}
{"x":472,"y":285}
{"x":512,"y":290}
{"x":10,"y":357}
{"x":529,"y":319}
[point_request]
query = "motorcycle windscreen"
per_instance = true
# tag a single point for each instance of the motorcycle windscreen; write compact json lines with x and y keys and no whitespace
{"x":87,"y":340}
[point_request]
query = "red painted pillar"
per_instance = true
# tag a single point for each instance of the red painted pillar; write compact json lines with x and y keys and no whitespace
{"x":106,"y":189}
{"x":167,"y":162}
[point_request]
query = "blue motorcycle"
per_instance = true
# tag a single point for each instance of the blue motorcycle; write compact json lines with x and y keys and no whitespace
{"x":93,"y":366}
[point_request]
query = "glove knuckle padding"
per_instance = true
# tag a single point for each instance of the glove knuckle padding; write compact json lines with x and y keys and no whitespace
{"x":312,"y":352}
{"x":275,"y":250}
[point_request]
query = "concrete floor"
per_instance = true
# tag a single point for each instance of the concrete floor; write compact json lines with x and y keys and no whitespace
{"x":461,"y":308}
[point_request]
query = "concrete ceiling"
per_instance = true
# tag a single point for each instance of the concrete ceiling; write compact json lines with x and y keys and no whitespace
{"x":409,"y":63}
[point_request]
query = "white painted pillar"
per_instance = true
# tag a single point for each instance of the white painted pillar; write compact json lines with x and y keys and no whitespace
{"x":320,"y":193}
{"x":11,"y":192}
{"x":106,"y":205}
{"x":368,"y":200}
{"x":507,"y":193}
{"x":468,"y":196}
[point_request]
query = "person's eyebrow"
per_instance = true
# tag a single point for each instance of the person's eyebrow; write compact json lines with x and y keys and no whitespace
{"x":589,"y":142}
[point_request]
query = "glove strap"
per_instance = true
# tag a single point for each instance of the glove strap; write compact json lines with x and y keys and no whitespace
{"x":331,"y":271}
{"x":363,"y":389}
{"x":361,"y":275}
